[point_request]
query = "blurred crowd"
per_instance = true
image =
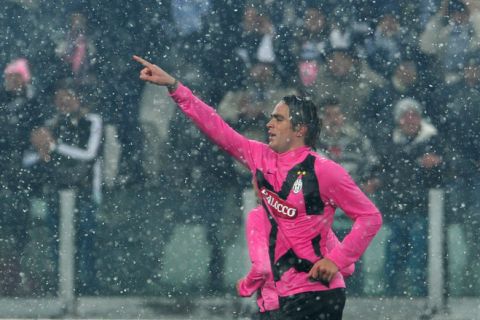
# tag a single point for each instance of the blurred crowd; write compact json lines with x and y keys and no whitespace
{"x":397,"y":84}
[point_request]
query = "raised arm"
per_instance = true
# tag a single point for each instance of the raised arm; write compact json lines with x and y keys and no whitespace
{"x":205,"y":117}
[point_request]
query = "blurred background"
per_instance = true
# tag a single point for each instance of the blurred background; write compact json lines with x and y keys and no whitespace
{"x":107,"y":191}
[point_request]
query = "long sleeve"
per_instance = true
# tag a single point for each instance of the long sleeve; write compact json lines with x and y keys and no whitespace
{"x":339,"y":190}
{"x":213,"y":126}
{"x":257,"y":241}
{"x":332,"y":242}
{"x":260,"y":276}
{"x":90,"y":152}
{"x":72,"y":151}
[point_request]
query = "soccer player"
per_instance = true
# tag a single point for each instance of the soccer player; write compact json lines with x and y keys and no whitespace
{"x":300,"y":191}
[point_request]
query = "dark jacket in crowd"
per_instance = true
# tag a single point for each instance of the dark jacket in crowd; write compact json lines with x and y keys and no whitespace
{"x":18,"y":116}
{"x":405,"y":181}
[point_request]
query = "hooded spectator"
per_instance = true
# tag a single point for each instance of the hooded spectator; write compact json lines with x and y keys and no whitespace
{"x":412,"y":163}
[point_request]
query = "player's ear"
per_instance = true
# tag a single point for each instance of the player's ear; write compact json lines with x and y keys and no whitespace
{"x":301,"y":130}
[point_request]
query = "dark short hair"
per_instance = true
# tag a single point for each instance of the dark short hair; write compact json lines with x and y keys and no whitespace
{"x":304,"y":112}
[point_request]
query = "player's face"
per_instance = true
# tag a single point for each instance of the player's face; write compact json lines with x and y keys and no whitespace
{"x":281,"y":135}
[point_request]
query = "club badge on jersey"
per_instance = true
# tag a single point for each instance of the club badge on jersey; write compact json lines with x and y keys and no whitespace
{"x":297,"y":186}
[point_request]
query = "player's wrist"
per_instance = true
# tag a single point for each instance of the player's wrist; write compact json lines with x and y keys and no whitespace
{"x":172,"y":86}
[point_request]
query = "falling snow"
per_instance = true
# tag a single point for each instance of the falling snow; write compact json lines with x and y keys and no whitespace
{"x":114,"y":205}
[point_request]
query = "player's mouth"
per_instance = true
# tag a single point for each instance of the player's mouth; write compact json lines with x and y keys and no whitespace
{"x":271,"y":136}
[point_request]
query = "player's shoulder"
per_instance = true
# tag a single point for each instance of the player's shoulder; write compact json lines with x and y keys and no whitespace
{"x":325,"y":165}
{"x":323,"y":161}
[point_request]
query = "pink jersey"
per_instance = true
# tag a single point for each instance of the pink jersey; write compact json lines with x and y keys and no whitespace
{"x":260,"y":279}
{"x":301,"y":190}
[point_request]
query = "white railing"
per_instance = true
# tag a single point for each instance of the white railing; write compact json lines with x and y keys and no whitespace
{"x":437,"y":295}
{"x":66,"y":263}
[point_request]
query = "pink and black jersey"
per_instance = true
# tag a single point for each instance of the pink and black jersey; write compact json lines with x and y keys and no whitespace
{"x":260,"y":278}
{"x":300,"y":190}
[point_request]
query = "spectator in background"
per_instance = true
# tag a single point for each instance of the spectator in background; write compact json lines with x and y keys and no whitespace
{"x":257,"y":36}
{"x":407,"y":78}
{"x":220,"y":38}
{"x":188,"y":45}
{"x":190,"y":40}
{"x":201,"y":192}
{"x":117,"y":30}
{"x":189,"y":21}
{"x":245,"y":108}
{"x":384,"y":47}
{"x":450,"y":34}
{"x":67,"y":149}
{"x":76,"y":51}
{"x":188,"y":17}
{"x":412,"y":16}
{"x":347,"y":78}
{"x":261,"y":40}
{"x":20,"y":113}
{"x":342,"y":142}
{"x":311,"y":43}
{"x":461,"y":133}
{"x":411,"y":164}
{"x":16,"y":25}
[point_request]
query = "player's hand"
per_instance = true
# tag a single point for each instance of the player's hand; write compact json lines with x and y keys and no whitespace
{"x":238,"y":286}
{"x":153,"y":73}
{"x":323,"y":270}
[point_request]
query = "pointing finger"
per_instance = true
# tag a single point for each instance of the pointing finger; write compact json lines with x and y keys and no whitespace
{"x":142,"y":61}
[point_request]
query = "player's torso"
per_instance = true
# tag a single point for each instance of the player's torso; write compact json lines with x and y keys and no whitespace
{"x":291,"y":194}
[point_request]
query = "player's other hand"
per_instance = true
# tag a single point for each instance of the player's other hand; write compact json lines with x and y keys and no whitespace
{"x":323,"y":270}
{"x":240,"y":292}
{"x":153,"y":73}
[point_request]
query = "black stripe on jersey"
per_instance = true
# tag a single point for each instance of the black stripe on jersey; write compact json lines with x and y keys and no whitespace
{"x":272,"y":239}
{"x":290,"y":260}
{"x":311,"y":192}
{"x":316,"y":245}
